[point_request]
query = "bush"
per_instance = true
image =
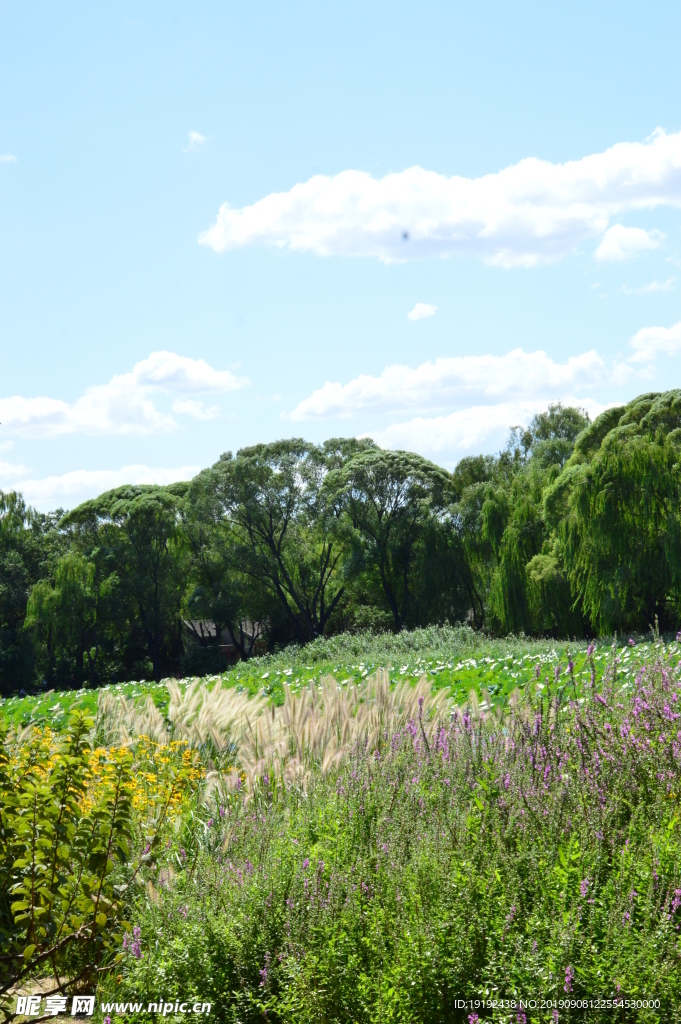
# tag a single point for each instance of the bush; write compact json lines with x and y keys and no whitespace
{"x":76,"y":826}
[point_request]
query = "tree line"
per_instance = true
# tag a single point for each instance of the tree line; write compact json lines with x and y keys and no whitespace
{"x":573,"y":529}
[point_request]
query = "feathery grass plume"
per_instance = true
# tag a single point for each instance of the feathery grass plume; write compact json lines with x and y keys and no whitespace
{"x":314,"y":728}
{"x":120,"y":721}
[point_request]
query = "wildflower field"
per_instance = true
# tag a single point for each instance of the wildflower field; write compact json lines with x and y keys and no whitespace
{"x":446,"y":828}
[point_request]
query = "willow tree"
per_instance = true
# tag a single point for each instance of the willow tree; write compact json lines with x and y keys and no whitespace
{"x":508,"y":544}
{"x":391,"y":498}
{"x":616,"y":510}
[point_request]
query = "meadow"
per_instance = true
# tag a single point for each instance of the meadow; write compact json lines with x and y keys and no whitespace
{"x":452,"y":657}
{"x":432,"y":826}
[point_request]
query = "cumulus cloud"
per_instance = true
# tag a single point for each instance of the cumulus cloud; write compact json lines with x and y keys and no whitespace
{"x":70,"y":489}
{"x":127,"y":404}
{"x":10,"y":470}
{"x":650,"y":342}
{"x":421,"y":310}
{"x":532,"y":212}
{"x":443,"y":382}
{"x":196,"y":139}
{"x":621,"y":243}
{"x":7,"y":158}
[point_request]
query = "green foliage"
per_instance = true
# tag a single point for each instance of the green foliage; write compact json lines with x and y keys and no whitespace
{"x":534,"y":856}
{"x":62,"y":834}
{"x":504,"y":531}
{"x":29,"y":545}
{"x":574,"y":528}
{"x":284,"y":526}
{"x":391,"y":499}
{"x":616,"y":511}
{"x":135,"y":533}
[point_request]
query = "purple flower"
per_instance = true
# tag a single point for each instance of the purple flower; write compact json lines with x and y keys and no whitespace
{"x":107,"y":1020}
{"x":210,"y":823}
{"x":521,"y":1018}
{"x":590,"y":650}
{"x":537,"y":671}
{"x":263,"y":977}
{"x":146,"y":849}
{"x":306,"y":863}
{"x":631,"y":642}
{"x":678,"y":635}
{"x":583,"y":887}
{"x":222,"y":811}
{"x":556,"y":671}
{"x":473,"y":1018}
{"x":555,"y":1016}
{"x":569,"y":976}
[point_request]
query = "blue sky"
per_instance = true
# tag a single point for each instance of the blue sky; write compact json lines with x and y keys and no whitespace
{"x":146,"y":327}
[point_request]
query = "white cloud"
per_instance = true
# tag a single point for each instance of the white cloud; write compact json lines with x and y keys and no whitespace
{"x":7,"y":158}
{"x":518,"y":375}
{"x":654,"y":286}
{"x":621,"y":243}
{"x":126,"y":404}
{"x":171,"y":372}
{"x":447,"y":438}
{"x":191,"y":407}
{"x":196,"y":139}
{"x":649,"y":342}
{"x":532,"y":212}
{"x":421,"y":310}
{"x":11,"y":470}
{"x":69,"y":489}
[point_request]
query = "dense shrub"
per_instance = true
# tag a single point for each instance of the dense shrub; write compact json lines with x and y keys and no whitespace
{"x":76,"y":826}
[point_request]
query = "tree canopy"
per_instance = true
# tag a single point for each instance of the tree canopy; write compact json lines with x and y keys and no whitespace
{"x":616,"y":512}
{"x":573,"y":528}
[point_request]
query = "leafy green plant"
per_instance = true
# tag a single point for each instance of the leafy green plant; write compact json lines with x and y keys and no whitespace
{"x":63,"y":831}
